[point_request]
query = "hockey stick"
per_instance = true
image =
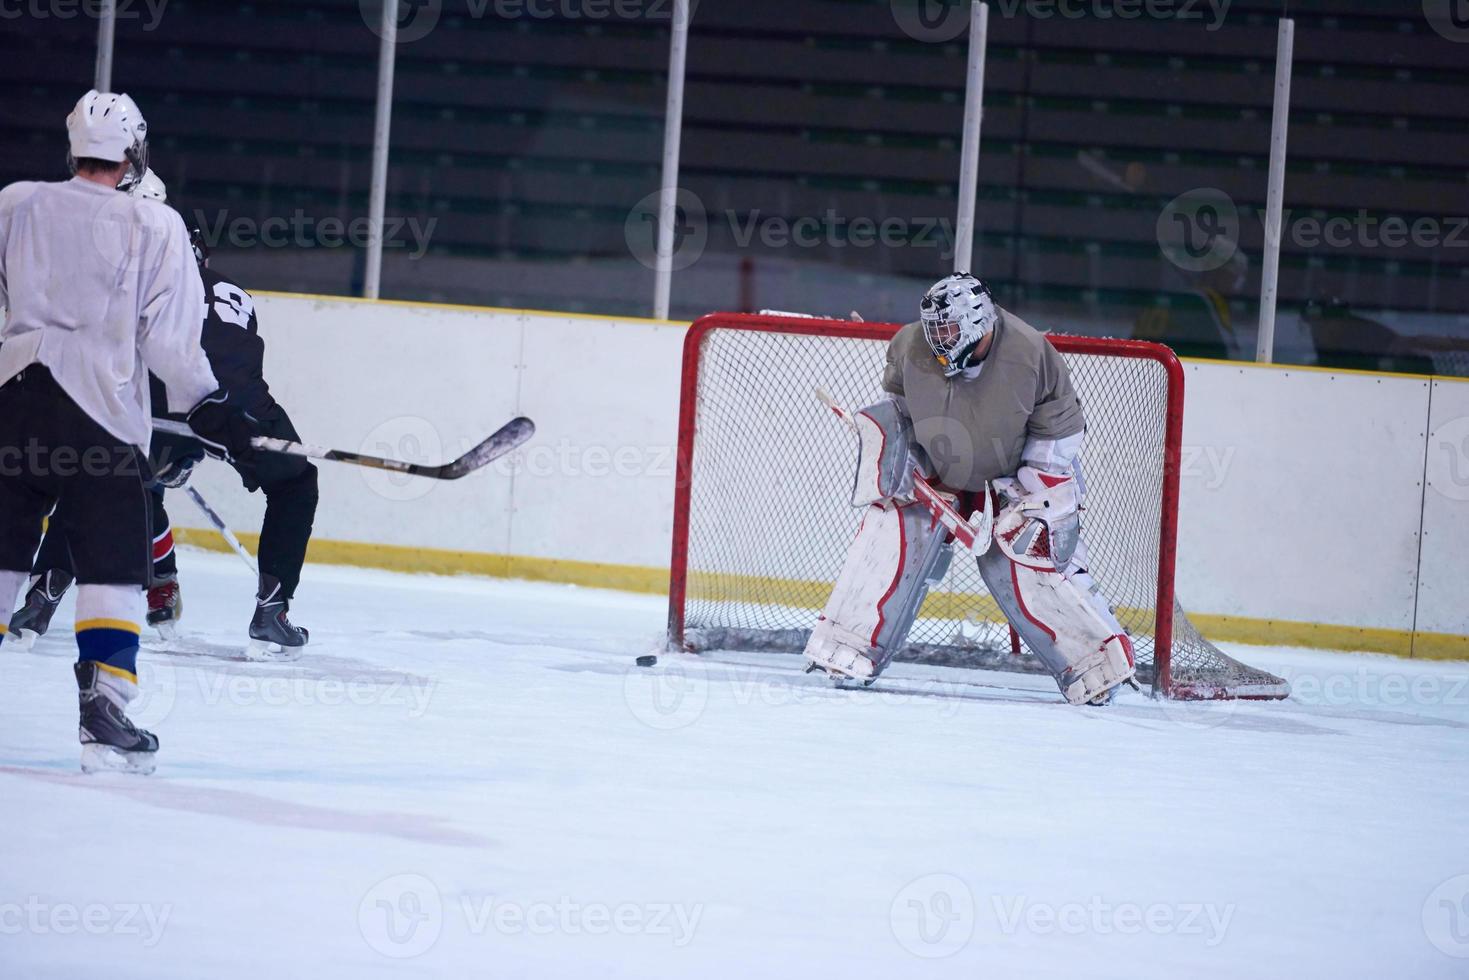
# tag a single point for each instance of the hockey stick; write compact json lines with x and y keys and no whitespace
{"x":222,"y":528}
{"x":974,"y":534}
{"x":510,"y":436}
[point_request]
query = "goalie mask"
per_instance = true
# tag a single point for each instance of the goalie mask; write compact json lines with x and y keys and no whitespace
{"x":957,"y":314}
{"x":107,"y":126}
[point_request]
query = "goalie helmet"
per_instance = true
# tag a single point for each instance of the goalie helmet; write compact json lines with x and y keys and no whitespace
{"x":108,"y":126}
{"x":957,"y":313}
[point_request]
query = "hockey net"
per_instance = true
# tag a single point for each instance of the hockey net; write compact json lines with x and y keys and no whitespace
{"x":763,"y":519}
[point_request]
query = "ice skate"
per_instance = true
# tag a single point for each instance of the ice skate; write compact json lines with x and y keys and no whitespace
{"x":33,"y":619}
{"x":110,"y":742}
{"x":272,"y":636}
{"x":166,"y":607}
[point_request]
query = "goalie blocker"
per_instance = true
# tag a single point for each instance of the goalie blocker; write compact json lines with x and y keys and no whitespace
{"x":903,"y":549}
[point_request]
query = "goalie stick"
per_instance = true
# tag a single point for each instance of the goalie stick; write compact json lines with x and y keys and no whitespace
{"x":973,"y":534}
{"x":508,"y":437}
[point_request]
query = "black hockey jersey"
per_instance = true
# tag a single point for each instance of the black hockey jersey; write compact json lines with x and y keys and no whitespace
{"x":232,"y":343}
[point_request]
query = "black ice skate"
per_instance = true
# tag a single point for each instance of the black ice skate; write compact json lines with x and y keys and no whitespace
{"x":34,"y":618}
{"x":110,"y":742}
{"x":166,"y":607}
{"x":272,"y":637}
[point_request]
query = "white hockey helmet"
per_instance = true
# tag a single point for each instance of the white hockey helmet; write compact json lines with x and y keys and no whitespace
{"x":150,"y":188}
{"x":109,"y":126}
{"x":957,"y":313}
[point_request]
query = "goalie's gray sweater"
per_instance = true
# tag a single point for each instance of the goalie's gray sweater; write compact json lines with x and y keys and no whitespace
{"x":975,"y":428}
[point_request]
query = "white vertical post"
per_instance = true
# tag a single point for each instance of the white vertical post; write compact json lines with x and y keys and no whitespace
{"x":672,"y":142}
{"x":979,"y":21}
{"x":106,"y":32}
{"x":1275,"y":202}
{"x":381,"y":134}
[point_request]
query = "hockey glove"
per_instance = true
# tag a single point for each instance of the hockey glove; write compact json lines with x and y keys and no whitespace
{"x":225,"y":429}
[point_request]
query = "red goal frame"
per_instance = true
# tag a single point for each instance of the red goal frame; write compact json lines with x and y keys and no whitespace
{"x":1144,"y":350}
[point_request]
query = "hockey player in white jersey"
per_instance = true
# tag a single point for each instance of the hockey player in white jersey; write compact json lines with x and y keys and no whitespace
{"x":99,"y":288}
{"x":982,"y":405}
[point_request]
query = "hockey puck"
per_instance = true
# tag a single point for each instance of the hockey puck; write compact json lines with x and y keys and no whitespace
{"x":647,"y":661}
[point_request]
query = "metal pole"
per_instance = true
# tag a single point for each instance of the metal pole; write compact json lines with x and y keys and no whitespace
{"x":1275,"y":203}
{"x":979,"y":20}
{"x":672,"y":141}
{"x":106,"y":32}
{"x":381,"y":131}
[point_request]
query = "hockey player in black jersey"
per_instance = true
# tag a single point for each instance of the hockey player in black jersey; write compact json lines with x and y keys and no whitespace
{"x":236,"y":353}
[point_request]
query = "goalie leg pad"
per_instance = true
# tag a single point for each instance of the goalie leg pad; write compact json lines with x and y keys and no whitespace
{"x":1065,"y":622}
{"x":899,"y":552}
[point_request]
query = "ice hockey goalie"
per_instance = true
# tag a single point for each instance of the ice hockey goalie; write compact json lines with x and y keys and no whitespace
{"x":983,"y":407}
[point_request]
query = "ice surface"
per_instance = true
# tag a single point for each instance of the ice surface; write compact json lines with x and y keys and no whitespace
{"x":467,"y":777}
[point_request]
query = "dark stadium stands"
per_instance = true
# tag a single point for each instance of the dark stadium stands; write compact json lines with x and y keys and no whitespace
{"x":530,"y":141}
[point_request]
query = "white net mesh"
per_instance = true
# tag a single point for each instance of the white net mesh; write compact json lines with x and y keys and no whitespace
{"x":769,"y":518}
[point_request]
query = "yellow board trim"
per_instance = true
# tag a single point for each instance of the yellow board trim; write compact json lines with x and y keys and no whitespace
{"x":1320,"y":369}
{"x":126,"y":675}
{"x":4,"y":630}
{"x":654,"y":581}
{"x":436,"y":561}
{"x":120,"y":625}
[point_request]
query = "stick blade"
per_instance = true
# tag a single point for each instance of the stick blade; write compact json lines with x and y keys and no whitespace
{"x":509,"y":437}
